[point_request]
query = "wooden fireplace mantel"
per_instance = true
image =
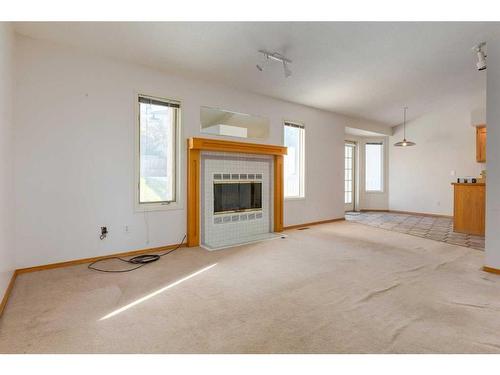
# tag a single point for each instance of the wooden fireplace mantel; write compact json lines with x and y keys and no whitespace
{"x":195,"y":146}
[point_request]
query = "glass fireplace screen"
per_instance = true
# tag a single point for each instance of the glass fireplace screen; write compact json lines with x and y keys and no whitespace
{"x":237,"y":196}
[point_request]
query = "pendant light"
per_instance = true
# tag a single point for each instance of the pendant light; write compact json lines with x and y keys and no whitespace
{"x":404,"y":142}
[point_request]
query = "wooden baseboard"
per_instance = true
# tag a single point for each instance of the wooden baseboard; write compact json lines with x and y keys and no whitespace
{"x":491,"y":270}
{"x":90,"y":260}
{"x":409,"y":213}
{"x":6,"y":295}
{"x":313,"y":223}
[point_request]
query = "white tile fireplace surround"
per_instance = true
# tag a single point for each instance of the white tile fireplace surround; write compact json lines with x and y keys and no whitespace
{"x":244,"y":182}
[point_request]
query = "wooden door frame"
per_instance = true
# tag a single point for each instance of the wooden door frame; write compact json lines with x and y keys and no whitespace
{"x":194,"y":148}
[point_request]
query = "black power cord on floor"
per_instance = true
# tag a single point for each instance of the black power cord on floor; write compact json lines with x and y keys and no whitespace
{"x":139,"y":260}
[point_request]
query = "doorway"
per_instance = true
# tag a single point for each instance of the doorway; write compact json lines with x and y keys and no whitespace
{"x":349,"y":176}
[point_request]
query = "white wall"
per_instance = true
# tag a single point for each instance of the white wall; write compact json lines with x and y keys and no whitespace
{"x":478,"y":116}
{"x":420,"y":176}
{"x":493,"y":156}
{"x":74,"y":152}
{"x":366,"y":200}
{"x":6,"y":157}
{"x":370,"y":126}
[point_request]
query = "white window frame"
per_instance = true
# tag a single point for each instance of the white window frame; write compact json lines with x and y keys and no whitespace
{"x":354,"y":147}
{"x":157,"y":206}
{"x":382,"y":167}
{"x":302,"y":169}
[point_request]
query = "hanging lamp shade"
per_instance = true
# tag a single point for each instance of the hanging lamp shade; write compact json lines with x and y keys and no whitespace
{"x":404,"y":142}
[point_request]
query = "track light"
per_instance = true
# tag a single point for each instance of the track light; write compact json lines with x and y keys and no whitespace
{"x":481,"y":56}
{"x":263,"y":64}
{"x":276,"y":57}
{"x":286,"y":69}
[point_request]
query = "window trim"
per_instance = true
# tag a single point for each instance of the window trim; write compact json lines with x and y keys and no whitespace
{"x":354,"y":158}
{"x":302,"y":164}
{"x":382,"y":168}
{"x":157,"y":206}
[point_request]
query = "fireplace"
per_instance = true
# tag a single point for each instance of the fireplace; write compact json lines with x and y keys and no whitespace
{"x":235,"y":192}
{"x":237,"y":196}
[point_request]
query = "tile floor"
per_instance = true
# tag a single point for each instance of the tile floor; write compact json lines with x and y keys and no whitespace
{"x":434,"y":228}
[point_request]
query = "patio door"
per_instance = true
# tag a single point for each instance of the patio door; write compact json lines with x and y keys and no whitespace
{"x":349,"y":179}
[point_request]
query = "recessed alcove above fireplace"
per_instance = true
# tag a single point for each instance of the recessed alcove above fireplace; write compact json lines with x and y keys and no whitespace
{"x":235,"y":192}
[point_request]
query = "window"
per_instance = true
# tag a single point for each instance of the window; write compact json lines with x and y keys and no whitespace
{"x":294,"y":160}
{"x":374,"y":157}
{"x":157,"y":151}
{"x":349,"y":173}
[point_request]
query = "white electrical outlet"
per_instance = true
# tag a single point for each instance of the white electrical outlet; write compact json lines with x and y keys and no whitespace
{"x":126,"y":228}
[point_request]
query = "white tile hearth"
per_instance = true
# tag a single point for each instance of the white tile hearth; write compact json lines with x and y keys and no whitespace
{"x":242,"y":240}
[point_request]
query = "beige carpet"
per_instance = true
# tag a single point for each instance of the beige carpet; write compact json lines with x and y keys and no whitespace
{"x":335,"y":288}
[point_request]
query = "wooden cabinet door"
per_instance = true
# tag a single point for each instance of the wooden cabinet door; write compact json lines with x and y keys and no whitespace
{"x":481,"y":144}
{"x":469,"y":208}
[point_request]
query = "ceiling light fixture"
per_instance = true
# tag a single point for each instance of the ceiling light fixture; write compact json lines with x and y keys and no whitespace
{"x":276,"y":57}
{"x":404,"y":142}
{"x":481,"y":56}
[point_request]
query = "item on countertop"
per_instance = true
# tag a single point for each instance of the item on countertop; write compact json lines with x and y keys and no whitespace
{"x":483,"y":176}
{"x":467,"y":180}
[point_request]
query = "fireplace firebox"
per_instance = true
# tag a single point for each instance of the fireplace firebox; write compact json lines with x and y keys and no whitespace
{"x":237,"y":197}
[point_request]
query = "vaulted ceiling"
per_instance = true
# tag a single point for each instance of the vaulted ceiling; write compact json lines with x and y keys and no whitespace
{"x":366,"y":69}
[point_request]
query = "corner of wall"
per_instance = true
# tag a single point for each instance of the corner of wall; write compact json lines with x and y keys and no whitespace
{"x":7,"y":263}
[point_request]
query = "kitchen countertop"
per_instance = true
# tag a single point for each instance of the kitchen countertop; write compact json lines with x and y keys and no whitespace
{"x":469,"y":183}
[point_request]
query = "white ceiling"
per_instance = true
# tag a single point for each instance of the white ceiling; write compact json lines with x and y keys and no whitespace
{"x":369,"y":70}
